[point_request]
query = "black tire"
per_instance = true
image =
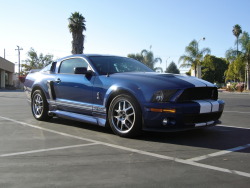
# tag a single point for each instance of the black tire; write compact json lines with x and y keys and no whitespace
{"x":39,"y":106}
{"x":124,"y":116}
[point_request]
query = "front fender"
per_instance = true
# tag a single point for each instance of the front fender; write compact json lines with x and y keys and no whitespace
{"x":132,"y":89}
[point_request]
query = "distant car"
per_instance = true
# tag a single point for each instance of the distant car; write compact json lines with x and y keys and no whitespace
{"x":122,"y":93}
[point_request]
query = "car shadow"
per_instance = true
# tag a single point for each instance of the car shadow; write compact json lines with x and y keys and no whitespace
{"x":217,"y":137}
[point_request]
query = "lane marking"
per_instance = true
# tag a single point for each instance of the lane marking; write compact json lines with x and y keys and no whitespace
{"x":44,"y":150}
{"x":183,"y":161}
{"x":50,"y":130}
{"x":219,"y":153}
{"x":228,"y":126}
{"x":237,"y":112}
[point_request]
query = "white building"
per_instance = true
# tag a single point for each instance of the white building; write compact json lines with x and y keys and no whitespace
{"x":6,"y":72}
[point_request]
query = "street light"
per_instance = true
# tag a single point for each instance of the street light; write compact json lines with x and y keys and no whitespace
{"x":203,"y":38}
{"x":18,"y":49}
{"x":197,"y":69}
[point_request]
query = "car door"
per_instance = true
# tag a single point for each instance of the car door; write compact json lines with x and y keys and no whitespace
{"x":73,"y":91}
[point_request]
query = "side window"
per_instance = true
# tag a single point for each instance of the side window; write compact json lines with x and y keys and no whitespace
{"x":67,"y":66}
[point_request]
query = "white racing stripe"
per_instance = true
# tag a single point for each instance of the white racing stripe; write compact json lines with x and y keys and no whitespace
{"x":207,"y":106}
{"x":192,"y":80}
{"x":204,"y":124}
{"x":215,"y":105}
{"x":187,"y":162}
{"x":200,"y":124}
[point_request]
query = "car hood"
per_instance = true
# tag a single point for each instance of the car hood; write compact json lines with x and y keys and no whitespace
{"x":160,"y":80}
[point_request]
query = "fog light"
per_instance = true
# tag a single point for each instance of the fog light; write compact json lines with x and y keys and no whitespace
{"x":165,"y":121}
{"x":168,"y":122}
{"x":172,"y":122}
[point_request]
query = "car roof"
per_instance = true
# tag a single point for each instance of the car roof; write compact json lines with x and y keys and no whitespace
{"x":87,"y":55}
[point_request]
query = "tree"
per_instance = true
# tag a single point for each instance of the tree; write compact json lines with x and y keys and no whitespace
{"x":213,"y":69}
{"x":231,"y":55}
{"x":35,"y":61}
{"x":237,"y":31}
{"x":236,"y":69}
{"x":137,"y":57}
{"x":158,"y":69}
{"x":147,"y":57}
{"x":193,"y":56}
{"x":172,"y":68}
{"x":76,"y":27}
{"x":245,"y":46}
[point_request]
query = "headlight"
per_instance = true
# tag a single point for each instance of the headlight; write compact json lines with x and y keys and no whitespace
{"x":163,"y":95}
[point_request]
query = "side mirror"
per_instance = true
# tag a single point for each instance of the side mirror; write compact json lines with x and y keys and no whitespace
{"x":82,"y":70}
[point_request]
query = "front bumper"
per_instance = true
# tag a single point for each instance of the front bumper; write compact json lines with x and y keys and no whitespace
{"x":191,"y":115}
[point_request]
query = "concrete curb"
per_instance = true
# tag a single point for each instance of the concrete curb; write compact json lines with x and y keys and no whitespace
{"x":233,"y":92}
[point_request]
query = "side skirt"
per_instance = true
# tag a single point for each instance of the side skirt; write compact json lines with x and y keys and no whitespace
{"x":79,"y":117}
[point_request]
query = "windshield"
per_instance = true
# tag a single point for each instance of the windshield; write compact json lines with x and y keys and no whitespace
{"x":112,"y":64}
{"x":47,"y":68}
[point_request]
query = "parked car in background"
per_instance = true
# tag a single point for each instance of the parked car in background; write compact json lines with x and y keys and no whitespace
{"x":121,"y":93}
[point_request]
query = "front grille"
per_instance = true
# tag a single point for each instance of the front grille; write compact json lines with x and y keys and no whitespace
{"x":201,"y":118}
{"x":198,"y":93}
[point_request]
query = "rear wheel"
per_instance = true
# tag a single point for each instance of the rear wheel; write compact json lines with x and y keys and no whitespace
{"x":125,"y":116}
{"x":39,"y":106}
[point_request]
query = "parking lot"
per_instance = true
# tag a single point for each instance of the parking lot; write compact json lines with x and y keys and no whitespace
{"x":63,"y":153}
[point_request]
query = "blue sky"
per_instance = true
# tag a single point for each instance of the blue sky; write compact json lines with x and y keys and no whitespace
{"x":120,"y":27}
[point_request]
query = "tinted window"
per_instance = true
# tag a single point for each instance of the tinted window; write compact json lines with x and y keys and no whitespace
{"x":111,"y":64}
{"x":68,"y":66}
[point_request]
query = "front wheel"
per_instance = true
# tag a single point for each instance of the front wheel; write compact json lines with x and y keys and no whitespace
{"x":124,"y":116}
{"x":39,"y":106}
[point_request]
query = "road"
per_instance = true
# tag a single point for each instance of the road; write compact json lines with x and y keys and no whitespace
{"x":63,"y":153}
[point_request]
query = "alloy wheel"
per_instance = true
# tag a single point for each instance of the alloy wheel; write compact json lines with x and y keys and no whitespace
{"x":123,"y":116}
{"x":38,"y":105}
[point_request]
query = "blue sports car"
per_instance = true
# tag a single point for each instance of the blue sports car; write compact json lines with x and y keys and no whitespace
{"x":121,"y":93}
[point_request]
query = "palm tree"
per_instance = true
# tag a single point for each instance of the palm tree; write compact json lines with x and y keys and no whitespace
{"x":231,"y":55}
{"x":245,"y":45}
{"x":237,"y":31}
{"x":76,"y":27}
{"x":147,"y":58}
{"x":137,"y":56}
{"x":193,"y":56}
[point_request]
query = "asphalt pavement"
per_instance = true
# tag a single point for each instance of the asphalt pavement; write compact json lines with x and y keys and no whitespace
{"x":63,"y":153}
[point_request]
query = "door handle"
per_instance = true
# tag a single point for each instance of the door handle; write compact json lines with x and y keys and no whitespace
{"x":58,"y":80}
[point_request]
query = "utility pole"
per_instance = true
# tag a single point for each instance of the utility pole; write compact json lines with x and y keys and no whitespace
{"x":198,"y":67}
{"x":247,"y":76}
{"x":18,"y":49}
